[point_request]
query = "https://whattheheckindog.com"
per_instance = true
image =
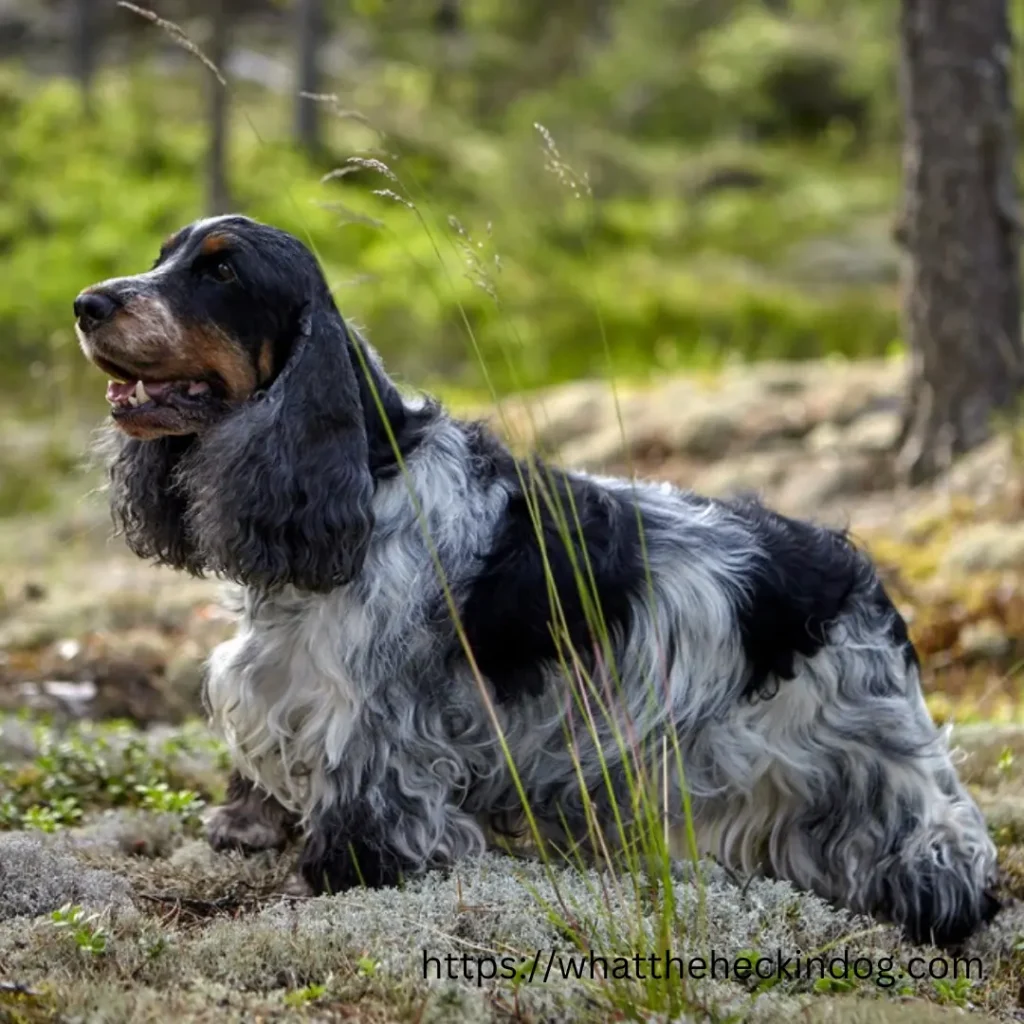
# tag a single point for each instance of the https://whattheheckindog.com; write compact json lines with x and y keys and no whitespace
{"x":836,"y":966}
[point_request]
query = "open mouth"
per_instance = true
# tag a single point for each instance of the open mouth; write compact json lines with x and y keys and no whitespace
{"x":131,"y":396}
{"x":143,"y":396}
{"x":151,"y":408}
{"x":146,"y":408}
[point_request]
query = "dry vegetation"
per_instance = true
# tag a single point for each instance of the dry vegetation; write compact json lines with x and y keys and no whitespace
{"x":102,"y":804}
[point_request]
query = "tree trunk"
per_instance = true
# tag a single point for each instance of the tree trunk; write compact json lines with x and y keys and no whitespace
{"x":307,"y":111}
{"x":85,"y":29}
{"x":218,"y":197}
{"x":960,"y":229}
{"x":448,"y":17}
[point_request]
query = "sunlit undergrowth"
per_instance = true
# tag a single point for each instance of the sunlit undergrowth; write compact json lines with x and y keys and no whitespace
{"x":684,"y":264}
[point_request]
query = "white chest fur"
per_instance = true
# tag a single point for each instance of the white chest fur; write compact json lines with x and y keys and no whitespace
{"x":281,"y":695}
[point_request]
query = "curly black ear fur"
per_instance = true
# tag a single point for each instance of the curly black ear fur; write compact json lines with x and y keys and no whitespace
{"x":146,"y":501}
{"x":279,"y":492}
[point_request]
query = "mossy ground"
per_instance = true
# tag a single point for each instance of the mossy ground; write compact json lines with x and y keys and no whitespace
{"x":191,"y":934}
{"x":105,"y":766}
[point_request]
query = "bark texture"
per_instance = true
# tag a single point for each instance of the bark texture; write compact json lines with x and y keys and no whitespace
{"x":85,"y":34}
{"x":960,"y":229}
{"x":218,"y":196}
{"x":307,"y":112}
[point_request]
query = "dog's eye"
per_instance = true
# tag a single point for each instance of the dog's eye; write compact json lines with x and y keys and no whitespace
{"x":223,"y":272}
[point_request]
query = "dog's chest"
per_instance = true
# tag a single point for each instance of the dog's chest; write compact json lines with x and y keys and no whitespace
{"x":284,"y":692}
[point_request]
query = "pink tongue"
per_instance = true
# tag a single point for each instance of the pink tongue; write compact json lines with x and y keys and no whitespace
{"x":118,"y":392}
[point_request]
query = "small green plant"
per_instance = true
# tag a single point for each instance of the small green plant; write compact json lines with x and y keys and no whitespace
{"x":304,"y":996}
{"x":155,"y":946}
{"x":954,"y":992}
{"x":367,"y":967}
{"x":1004,"y":766}
{"x":59,"y":813}
{"x":10,"y":816}
{"x":86,"y":931}
{"x":159,"y":796}
{"x":830,"y":985}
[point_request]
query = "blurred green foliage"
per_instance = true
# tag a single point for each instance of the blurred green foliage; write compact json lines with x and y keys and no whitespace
{"x":719,"y":181}
{"x":90,"y":766}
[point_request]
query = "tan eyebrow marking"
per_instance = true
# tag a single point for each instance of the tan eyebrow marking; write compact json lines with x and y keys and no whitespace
{"x":214,"y":243}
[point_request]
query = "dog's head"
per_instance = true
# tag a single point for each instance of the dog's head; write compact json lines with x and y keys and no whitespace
{"x":211,"y":324}
{"x":248,"y":413}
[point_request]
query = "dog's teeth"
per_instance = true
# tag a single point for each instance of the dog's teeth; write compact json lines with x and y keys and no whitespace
{"x":140,"y":393}
{"x":133,"y":401}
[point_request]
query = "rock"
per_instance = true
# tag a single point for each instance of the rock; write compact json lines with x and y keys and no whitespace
{"x":984,"y":639}
{"x":875,"y":432}
{"x":550,"y":419}
{"x":131,"y":833}
{"x":986,"y":547}
{"x":707,"y":432}
{"x":841,"y":393}
{"x":778,"y":379}
{"x":17,"y":740}
{"x":742,"y":409}
{"x":826,"y":437}
{"x":777,"y":423}
{"x":726,"y":176}
{"x":813,"y":483}
{"x":601,"y":451}
{"x":758,"y":473}
{"x":983,"y":472}
{"x":855,"y":260}
{"x":185,"y":674}
{"x":854,"y":1010}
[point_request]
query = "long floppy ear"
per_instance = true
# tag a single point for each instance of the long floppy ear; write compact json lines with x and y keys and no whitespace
{"x":280,"y":491}
{"x":146,"y":501}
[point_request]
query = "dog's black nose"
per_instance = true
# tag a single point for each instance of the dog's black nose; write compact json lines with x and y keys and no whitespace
{"x":92,"y":308}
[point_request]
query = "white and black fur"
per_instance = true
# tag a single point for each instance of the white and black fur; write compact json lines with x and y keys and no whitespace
{"x":765,"y":646}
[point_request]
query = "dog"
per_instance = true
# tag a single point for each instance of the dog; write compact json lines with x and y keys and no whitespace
{"x":440,"y":643}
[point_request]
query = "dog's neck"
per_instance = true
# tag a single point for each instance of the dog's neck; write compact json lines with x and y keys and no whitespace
{"x":391,"y":420}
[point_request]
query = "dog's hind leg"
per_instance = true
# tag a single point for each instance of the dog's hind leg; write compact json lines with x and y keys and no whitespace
{"x":843,"y":785}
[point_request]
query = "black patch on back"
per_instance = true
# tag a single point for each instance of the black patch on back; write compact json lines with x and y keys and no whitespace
{"x":508,"y":613}
{"x":800,"y":585}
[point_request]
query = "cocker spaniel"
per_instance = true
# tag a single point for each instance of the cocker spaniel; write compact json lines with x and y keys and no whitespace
{"x":420,"y":611}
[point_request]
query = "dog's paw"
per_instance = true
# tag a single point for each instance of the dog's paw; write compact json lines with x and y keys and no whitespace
{"x":231,"y":828}
{"x":296,"y":886}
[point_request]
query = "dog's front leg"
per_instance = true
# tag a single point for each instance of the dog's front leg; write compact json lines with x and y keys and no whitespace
{"x":250,"y":820}
{"x":394,"y":830}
